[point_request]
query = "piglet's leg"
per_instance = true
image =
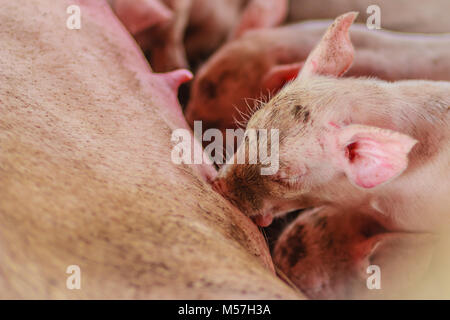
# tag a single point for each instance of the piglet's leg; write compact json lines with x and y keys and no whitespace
{"x":167,"y":49}
{"x":138,"y":15}
{"x":260,"y":14}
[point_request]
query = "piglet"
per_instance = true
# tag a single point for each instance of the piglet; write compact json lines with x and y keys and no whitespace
{"x":382,"y":147}
{"x":329,"y":253}
{"x":259,"y":14}
{"x":212,"y":23}
{"x":138,"y":15}
{"x":260,"y":62}
{"x":199,"y":27}
{"x":164,"y":42}
{"x":87,"y":184}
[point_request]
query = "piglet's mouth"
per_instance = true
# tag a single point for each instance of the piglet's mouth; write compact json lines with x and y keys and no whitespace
{"x":263,"y":220}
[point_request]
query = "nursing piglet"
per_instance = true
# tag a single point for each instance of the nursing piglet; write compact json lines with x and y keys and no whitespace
{"x":262,"y":61}
{"x":330,"y":253}
{"x":377,"y":146}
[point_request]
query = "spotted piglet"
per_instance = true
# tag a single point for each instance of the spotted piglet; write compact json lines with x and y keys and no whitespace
{"x":357,"y":143}
{"x":333,"y":254}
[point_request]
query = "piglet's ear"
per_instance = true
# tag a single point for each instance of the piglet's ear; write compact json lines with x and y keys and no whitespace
{"x":279,"y":75}
{"x":372,"y":155}
{"x":260,"y":14}
{"x":333,"y":55}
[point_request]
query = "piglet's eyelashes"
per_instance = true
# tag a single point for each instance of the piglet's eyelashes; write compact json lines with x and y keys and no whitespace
{"x":288,"y":180}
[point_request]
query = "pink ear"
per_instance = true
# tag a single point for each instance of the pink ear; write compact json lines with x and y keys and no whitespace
{"x":373,"y":155}
{"x":138,"y":15}
{"x":260,"y":14}
{"x":333,"y":55}
{"x":277,"y":77}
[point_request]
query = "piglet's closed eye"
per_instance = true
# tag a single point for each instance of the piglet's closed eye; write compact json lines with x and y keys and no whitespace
{"x":372,"y":155}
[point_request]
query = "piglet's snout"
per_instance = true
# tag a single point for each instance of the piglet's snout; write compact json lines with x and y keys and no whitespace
{"x":220,"y":186}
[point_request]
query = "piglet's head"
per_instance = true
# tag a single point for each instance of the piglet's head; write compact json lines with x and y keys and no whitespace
{"x":330,"y":147}
{"x":327,"y":252}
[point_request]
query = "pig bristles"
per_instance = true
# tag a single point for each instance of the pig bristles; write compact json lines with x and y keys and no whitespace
{"x":245,"y":116}
{"x":241,"y":123}
{"x":251,"y":108}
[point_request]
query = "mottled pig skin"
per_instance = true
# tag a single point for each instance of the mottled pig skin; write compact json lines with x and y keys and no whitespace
{"x":261,"y":61}
{"x":326,"y":251}
{"x":376,"y":146}
{"x":398,"y":15}
{"x":86,"y":176}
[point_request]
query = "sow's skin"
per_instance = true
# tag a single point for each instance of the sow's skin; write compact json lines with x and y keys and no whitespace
{"x":259,"y":63}
{"x":327,"y":252}
{"x":86,"y":177}
{"x":380,"y":147}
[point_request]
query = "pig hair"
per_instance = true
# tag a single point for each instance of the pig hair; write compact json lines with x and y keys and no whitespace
{"x":251,"y":108}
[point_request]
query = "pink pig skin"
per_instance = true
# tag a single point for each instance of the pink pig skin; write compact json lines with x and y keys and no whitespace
{"x":164,"y":42}
{"x":245,"y":69}
{"x":260,"y":14}
{"x":326,"y":252}
{"x":138,"y":15}
{"x":398,"y":15}
{"x":202,"y":26}
{"x":86,"y":176}
{"x":356,"y":143}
